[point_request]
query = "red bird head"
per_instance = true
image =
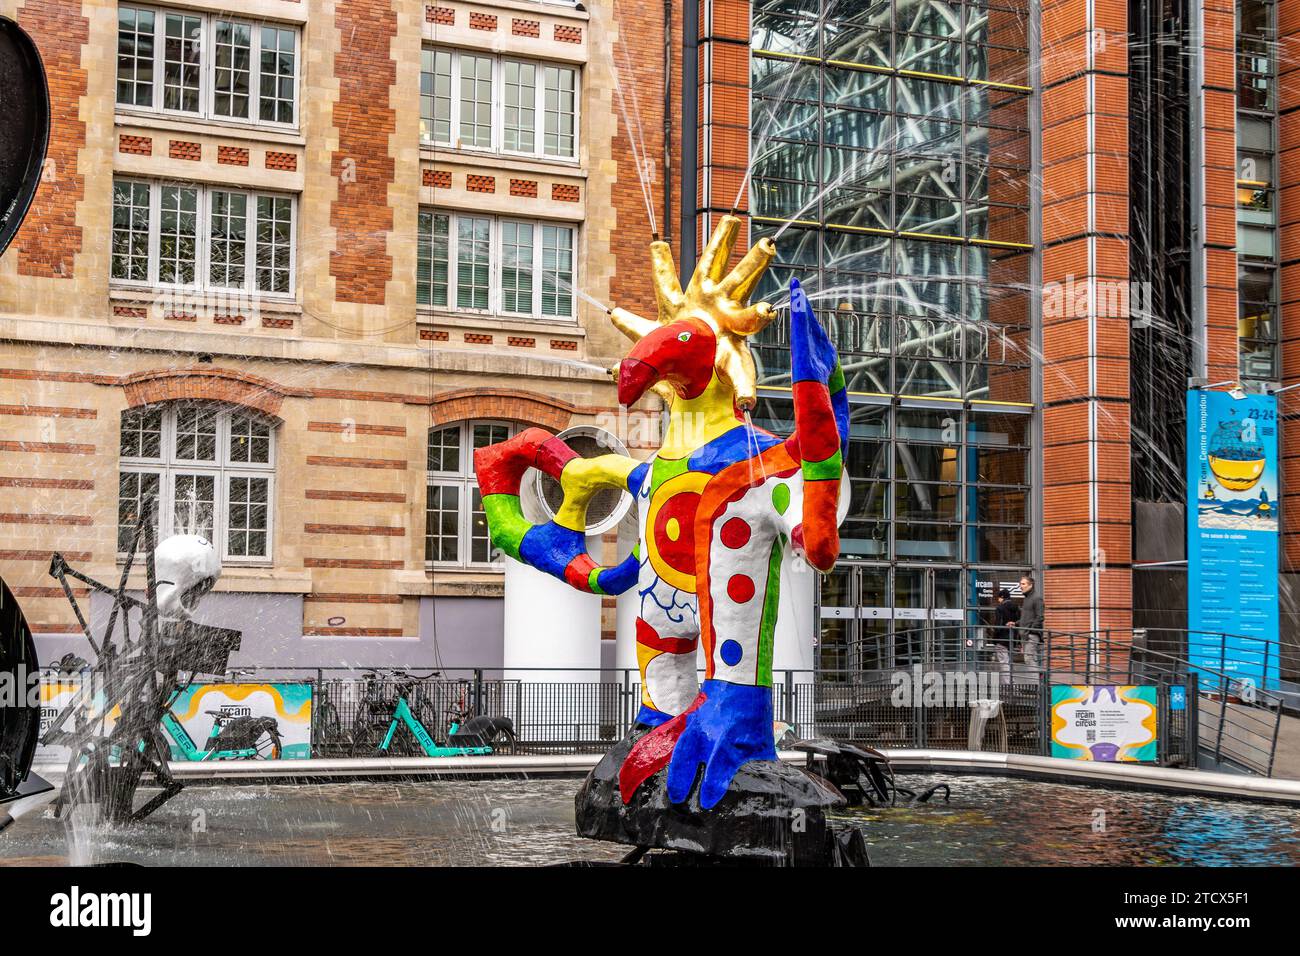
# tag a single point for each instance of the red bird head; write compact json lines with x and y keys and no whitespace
{"x":680,"y":353}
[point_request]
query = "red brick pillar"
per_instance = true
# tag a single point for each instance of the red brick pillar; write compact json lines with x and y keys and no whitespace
{"x":364,"y":168}
{"x":639,"y":67}
{"x":1217,"y":295}
{"x":1087,"y":509}
{"x":1288,"y":179}
{"x":50,"y":238}
{"x":723,"y":113}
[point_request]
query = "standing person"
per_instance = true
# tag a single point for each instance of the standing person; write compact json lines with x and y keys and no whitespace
{"x":1005,"y":615}
{"x":1031,"y":620}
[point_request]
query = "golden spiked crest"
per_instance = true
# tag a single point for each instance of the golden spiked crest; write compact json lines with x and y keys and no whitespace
{"x":716,"y":296}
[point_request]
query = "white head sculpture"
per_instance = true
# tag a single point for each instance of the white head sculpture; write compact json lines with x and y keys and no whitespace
{"x":187,"y":567}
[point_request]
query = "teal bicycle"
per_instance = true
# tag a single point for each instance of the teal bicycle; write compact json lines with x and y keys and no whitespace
{"x":240,"y":737}
{"x":386,"y":710}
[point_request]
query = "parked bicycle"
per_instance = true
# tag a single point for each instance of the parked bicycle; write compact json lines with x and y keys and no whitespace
{"x":394,"y":720}
{"x":328,"y":736}
{"x":232,"y":737}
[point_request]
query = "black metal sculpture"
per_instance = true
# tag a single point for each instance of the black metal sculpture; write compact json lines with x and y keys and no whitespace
{"x":24,"y":135}
{"x":112,"y":724}
{"x":25,"y":132}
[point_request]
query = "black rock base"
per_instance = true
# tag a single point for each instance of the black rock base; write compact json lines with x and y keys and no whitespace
{"x":773,"y":814}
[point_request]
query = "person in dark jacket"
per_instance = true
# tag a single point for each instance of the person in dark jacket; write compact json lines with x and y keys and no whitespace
{"x":1005,"y":616}
{"x":1031,"y":620}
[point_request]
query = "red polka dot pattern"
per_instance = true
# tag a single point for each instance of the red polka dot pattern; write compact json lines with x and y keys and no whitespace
{"x":740,"y":588}
{"x":735,"y":533}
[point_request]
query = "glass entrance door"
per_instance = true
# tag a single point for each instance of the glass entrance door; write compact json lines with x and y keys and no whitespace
{"x":861,"y":605}
{"x":856,"y":612}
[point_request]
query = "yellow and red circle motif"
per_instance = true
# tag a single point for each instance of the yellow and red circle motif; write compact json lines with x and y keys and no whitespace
{"x":670,"y":528}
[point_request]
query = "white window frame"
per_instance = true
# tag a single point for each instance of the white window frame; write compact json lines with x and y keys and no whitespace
{"x":497,"y":145}
{"x":204,"y":240}
{"x":465,"y":480}
{"x":207,"y":69}
{"x":496,"y":263}
{"x":168,"y":468}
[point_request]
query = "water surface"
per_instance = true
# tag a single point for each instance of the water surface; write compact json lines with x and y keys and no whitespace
{"x":989,"y":821}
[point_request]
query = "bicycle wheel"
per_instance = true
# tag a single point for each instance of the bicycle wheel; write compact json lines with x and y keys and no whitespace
{"x":329,"y":731}
{"x":364,"y":739}
{"x":268,"y":745}
{"x":504,"y":741}
{"x":404,"y":743}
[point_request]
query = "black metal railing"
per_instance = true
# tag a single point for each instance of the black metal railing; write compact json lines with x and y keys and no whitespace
{"x":883,"y":701}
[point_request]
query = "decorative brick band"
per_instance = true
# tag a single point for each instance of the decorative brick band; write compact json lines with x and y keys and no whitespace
{"x":30,"y":591}
{"x":360,"y":564}
{"x":444,"y":15}
{"x":228,"y":319}
{"x":342,"y":428}
{"x":481,"y":184}
{"x":318,"y":631}
{"x":385,"y":464}
{"x":130,"y":311}
{"x":76,"y":520}
{"x":42,"y":556}
{"x":139,"y":145}
{"x":382,"y":530}
{"x":184,"y":149}
{"x":232,"y":155}
{"x":482,"y":21}
{"x":567,"y":34}
{"x":285,"y":162}
{"x":48,"y":411}
{"x":438,"y":178}
{"x":521,"y":342}
{"x":434,"y":335}
{"x":561,"y":192}
{"x":325,"y":494}
{"x":478,"y":338}
{"x":181,"y":316}
{"x":564,"y":345}
{"x":67,"y":484}
{"x":345,"y":597}
{"x":269,"y":322}
{"x":53,"y":447}
{"x":525,"y":28}
{"x":358,"y":395}
{"x":524,"y":187}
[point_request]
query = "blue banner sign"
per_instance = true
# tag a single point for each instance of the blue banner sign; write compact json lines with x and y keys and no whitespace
{"x":1232,"y":533}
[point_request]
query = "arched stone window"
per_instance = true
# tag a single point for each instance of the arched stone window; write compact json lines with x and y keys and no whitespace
{"x":455,"y":531}
{"x":209,"y":468}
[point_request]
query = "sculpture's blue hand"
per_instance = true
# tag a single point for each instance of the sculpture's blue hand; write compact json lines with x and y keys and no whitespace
{"x":812,"y":356}
{"x":731,"y":725}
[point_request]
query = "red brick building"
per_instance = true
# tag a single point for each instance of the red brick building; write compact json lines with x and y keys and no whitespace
{"x":357,"y":228}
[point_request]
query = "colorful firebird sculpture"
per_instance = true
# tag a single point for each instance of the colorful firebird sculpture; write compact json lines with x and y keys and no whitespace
{"x":718,"y":505}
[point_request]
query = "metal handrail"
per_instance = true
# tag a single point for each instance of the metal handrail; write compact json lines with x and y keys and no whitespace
{"x":568,"y":703}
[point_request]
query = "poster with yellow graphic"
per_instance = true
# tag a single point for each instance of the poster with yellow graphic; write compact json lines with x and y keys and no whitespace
{"x":1106,"y":722}
{"x":202,"y":710}
{"x":57,"y":692}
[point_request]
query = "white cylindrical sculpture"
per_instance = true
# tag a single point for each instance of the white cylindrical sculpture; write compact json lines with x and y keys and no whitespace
{"x":795,"y":644}
{"x":550,"y":625}
{"x":628,"y":608}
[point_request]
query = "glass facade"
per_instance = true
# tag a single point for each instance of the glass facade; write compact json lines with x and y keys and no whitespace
{"x":1257,"y":240}
{"x":890,"y":151}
